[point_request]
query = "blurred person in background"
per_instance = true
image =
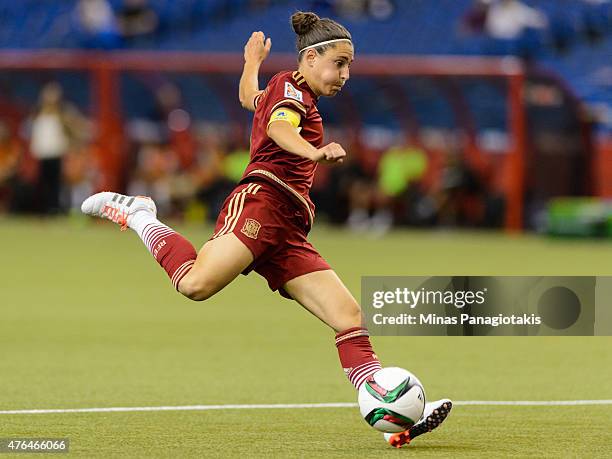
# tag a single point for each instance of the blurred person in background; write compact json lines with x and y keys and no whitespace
{"x":350,"y":9}
{"x":210,"y":174}
{"x":563,"y":33}
{"x":80,"y":171}
{"x":513,"y":26}
{"x":137,"y":20}
{"x":10,"y":152}
{"x":388,"y":194}
{"x":95,"y":25}
{"x":360,"y":189}
{"x":330,"y":186}
{"x":474,"y":20}
{"x":508,"y":19}
{"x":379,"y":10}
{"x":399,"y":172}
{"x":176,"y":122}
{"x":165,"y":134}
{"x":156,"y":167}
{"x":596,"y":19}
{"x":54,"y":128}
{"x":464,"y":197}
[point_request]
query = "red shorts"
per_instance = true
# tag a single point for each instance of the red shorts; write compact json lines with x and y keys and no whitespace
{"x":274,"y":228}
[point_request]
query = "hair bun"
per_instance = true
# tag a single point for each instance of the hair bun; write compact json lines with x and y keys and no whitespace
{"x":303,"y":22}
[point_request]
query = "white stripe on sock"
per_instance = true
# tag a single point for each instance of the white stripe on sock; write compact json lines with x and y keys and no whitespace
{"x":141,"y":219}
{"x":181,"y":271}
{"x":361,"y":380}
{"x":159,"y":237}
{"x":358,"y":377}
{"x":152,"y":232}
{"x":364,"y":373}
{"x":355,"y":371}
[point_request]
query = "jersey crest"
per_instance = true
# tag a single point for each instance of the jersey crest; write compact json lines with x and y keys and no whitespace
{"x":251,"y":228}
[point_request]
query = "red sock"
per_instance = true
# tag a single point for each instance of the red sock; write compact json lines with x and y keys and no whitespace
{"x":171,"y":250}
{"x":356,"y":355}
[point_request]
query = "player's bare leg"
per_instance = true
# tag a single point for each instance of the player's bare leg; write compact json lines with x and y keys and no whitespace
{"x":324,"y":295}
{"x":218,"y":263}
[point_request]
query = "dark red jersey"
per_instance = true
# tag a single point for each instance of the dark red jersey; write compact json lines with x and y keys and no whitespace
{"x":287,"y":170}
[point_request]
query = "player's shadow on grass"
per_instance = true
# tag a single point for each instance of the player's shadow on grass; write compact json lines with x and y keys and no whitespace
{"x":450,"y":450}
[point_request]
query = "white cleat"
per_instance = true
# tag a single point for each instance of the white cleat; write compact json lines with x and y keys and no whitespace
{"x":434,"y":414}
{"x":116,"y":207}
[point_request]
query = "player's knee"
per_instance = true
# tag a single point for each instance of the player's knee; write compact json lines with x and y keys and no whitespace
{"x":357,"y":316}
{"x":196,"y":289}
{"x":352,"y":316}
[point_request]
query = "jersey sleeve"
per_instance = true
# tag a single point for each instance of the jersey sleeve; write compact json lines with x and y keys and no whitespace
{"x":256,"y":99}
{"x":283,"y":92}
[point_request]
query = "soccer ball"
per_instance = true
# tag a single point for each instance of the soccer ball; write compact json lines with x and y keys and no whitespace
{"x":392,"y":400}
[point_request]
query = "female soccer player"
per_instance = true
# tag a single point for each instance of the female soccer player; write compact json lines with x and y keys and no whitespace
{"x":264,"y":222}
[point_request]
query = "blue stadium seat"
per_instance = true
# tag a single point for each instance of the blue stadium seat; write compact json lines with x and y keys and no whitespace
{"x":577,"y":45}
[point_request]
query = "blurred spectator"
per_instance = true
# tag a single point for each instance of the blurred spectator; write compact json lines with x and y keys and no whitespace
{"x":464,"y":199}
{"x":475,"y":18}
{"x":156,"y":167}
{"x":399,"y":172}
{"x":513,"y":26}
{"x":458,"y":182}
{"x":361,"y":192}
{"x":381,"y":10}
{"x":136,"y":19}
{"x":214,"y":176}
{"x":399,"y":167}
{"x":236,"y":161}
{"x":596,"y":19}
{"x":508,"y":19}
{"x":95,"y":25}
{"x":80,"y":174}
{"x":176,"y":122}
{"x":355,"y":187}
{"x":9,"y":161}
{"x":53,"y":129}
{"x":562,"y":31}
{"x":350,"y":9}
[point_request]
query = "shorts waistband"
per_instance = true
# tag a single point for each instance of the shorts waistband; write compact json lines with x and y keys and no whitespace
{"x":295,"y":194}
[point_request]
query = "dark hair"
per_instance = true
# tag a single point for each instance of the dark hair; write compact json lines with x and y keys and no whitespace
{"x":311,"y":29}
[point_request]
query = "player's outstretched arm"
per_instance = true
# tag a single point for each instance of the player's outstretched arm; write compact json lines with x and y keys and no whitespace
{"x":285,"y":136}
{"x":255,"y":52}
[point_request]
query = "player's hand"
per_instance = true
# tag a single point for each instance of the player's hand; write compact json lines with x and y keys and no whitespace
{"x":330,"y":153}
{"x":257,"y":48}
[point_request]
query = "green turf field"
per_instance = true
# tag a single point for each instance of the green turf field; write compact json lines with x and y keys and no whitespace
{"x":88,"y":320}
